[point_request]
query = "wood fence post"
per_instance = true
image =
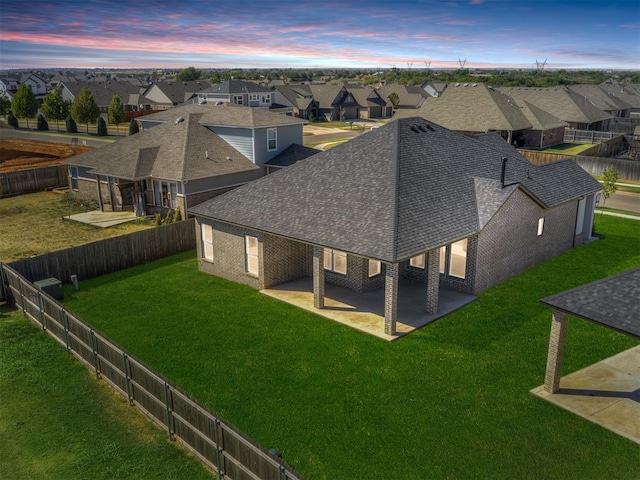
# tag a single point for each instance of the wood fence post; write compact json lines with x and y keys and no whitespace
{"x":94,"y":348}
{"x":20,"y":288}
{"x":169,"y":410}
{"x":216,"y":438}
{"x":65,"y":324}
{"x":127,"y":376}
{"x":41,"y":310}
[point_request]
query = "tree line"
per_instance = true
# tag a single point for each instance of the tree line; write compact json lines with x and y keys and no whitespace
{"x":83,"y":109}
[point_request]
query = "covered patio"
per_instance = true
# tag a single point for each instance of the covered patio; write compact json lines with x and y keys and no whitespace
{"x":607,"y":393}
{"x":366,"y":311}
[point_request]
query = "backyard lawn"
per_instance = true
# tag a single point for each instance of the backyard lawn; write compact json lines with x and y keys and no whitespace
{"x":40,"y":214}
{"x":569,"y":148}
{"x":448,"y":401}
{"x":58,"y":422}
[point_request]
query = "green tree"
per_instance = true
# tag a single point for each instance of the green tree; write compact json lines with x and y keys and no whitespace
{"x":54,"y":107}
{"x":71,"y":125}
{"x":42,"y":123}
{"x":133,"y":127}
{"x":5,"y":103}
{"x":84,"y":108}
{"x":102,"y":127}
{"x":188,"y":74}
{"x":394,"y":99}
{"x":24,"y":103}
{"x":12,"y":120}
{"x":116,"y":112}
{"x":609,"y":187}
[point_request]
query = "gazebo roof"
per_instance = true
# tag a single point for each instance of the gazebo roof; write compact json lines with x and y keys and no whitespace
{"x":613,"y":302}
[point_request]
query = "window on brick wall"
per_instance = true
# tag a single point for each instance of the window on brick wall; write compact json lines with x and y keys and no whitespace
{"x":374,"y":268}
{"x":418,"y":261}
{"x":458,"y":259}
{"x":335,"y":261}
{"x":251,"y":254}
{"x":540,"y":225}
{"x":207,"y":242}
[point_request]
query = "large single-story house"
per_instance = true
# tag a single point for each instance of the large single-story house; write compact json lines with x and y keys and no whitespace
{"x":409,"y":200}
{"x":186,"y":155}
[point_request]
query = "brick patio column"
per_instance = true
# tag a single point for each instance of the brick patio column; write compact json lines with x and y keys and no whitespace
{"x":556,"y":351}
{"x":433,"y":280}
{"x":318,"y":277}
{"x":391,"y":298}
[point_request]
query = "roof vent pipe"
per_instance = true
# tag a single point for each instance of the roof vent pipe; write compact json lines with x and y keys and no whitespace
{"x":502,"y":173}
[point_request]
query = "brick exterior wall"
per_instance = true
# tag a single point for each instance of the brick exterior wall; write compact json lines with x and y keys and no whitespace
{"x":556,"y":351}
{"x":284,"y":260}
{"x":551,"y":137}
{"x":88,"y":190}
{"x":196,"y":198}
{"x":357,"y":277}
{"x":509,"y":243}
{"x":466,"y":284}
{"x":391,"y":298}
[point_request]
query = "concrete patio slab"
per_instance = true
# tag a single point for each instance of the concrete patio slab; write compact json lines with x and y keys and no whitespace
{"x":102,"y":219}
{"x":606,"y":393}
{"x":365,"y":311}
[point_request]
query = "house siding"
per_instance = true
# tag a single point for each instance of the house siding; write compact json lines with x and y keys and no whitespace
{"x":239,"y":138}
{"x":286,"y":135}
{"x":509,"y":244}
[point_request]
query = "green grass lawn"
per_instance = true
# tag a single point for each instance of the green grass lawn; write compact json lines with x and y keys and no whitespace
{"x":448,"y":401}
{"x":569,"y":148}
{"x":58,"y":422}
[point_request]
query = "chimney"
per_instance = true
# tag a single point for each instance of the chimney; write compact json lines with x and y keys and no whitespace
{"x":502,"y":173}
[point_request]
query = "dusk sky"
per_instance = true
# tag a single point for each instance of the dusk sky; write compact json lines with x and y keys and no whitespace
{"x":574,"y":34}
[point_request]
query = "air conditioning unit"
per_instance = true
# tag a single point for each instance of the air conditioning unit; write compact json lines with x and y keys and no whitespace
{"x":51,"y":286}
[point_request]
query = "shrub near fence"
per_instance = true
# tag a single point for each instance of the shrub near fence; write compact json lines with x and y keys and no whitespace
{"x":218,"y":444}
{"x":32,"y":180}
{"x":111,"y":254}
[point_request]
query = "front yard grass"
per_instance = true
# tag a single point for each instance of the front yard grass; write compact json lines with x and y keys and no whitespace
{"x":32,"y":224}
{"x":58,"y":422}
{"x":448,"y":401}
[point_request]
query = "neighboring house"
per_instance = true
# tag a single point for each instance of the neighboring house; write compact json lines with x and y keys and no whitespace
{"x":409,"y":97}
{"x":37,"y":85}
{"x":334,"y":101}
{"x":473,"y":108}
{"x":11,"y":83}
{"x":371,"y":104}
{"x":602,"y":99}
{"x":103,"y":92}
{"x":184,"y":156}
{"x":167,"y":94}
{"x":296,"y":97}
{"x":565,"y":104}
{"x":410,"y":200}
{"x":239,"y":92}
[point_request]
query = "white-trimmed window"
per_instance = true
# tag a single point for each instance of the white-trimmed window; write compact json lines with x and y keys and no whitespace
{"x":251,"y":254}
{"x":237,"y":99}
{"x":165,"y":194}
{"x":266,"y":98}
{"x":540,"y":226}
{"x":254,"y":97}
{"x":272,"y":139}
{"x":418,"y":261}
{"x":458,"y":259}
{"x":335,"y":261}
{"x":207,"y":242}
{"x":375,"y":267}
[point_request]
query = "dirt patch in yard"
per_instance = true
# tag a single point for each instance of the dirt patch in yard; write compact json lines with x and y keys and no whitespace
{"x":20,"y":154}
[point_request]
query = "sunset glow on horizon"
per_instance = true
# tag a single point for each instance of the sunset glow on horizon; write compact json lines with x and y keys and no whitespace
{"x":301,"y":34}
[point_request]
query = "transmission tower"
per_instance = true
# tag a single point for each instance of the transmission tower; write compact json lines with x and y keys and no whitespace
{"x":462,"y":62}
{"x":540,"y":65}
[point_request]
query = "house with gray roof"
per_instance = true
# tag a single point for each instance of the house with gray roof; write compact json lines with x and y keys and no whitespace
{"x":565,"y":104}
{"x":408,"y":202}
{"x":239,"y":92}
{"x":185,"y":156}
{"x":410,"y":97}
{"x":169,"y":93}
{"x":604,"y":100}
{"x":474,"y":108}
{"x":299,"y":99}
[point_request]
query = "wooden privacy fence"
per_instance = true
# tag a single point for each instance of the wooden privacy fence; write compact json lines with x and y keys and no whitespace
{"x":32,"y":180}
{"x":111,"y":254}
{"x":627,"y":169}
{"x":218,"y":444}
{"x":587,"y":136}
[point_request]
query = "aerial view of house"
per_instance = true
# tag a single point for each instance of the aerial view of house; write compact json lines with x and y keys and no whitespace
{"x":410,"y":200}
